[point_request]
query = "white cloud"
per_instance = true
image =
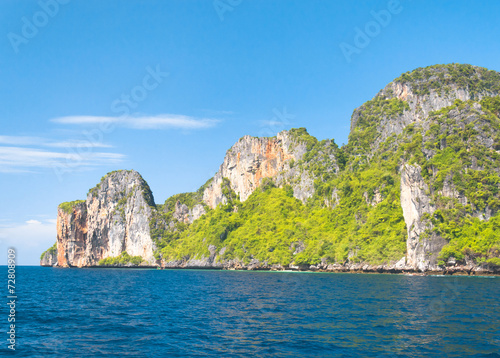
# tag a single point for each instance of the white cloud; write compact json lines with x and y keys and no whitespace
{"x":77,"y":144}
{"x":20,"y":140}
{"x":29,"y":240}
{"x":164,"y":121}
{"x":85,"y":120}
{"x":39,"y":141}
{"x":18,"y":159}
{"x":273,"y":123}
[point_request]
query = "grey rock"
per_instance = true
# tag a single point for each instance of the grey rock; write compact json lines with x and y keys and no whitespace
{"x":114,"y":218}
{"x":49,"y":259}
{"x":422,"y":250}
{"x":250,"y":160}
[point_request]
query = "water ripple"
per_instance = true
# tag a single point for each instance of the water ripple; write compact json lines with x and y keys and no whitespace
{"x":175,"y":313}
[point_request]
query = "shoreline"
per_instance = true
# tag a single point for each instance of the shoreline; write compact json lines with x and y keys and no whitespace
{"x":405,"y":272}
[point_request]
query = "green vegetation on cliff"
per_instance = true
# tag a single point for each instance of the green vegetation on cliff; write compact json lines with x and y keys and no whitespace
{"x":68,"y":206}
{"x":300,"y":135}
{"x":51,"y":250}
{"x":370,"y":114}
{"x":123,"y":260}
{"x":440,"y":77}
{"x":273,"y":226}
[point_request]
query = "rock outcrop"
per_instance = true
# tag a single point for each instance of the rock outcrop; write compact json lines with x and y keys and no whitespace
{"x":119,"y":210}
{"x":249,"y":161}
{"x":49,"y":258}
{"x":114,"y":218}
{"x":183,"y":214}
{"x":72,"y":235}
{"x":422,"y":247}
{"x":441,"y":89}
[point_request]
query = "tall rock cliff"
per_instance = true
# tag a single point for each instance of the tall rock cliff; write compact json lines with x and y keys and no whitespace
{"x":114,"y":219}
{"x":249,"y":161}
{"x":72,"y":234}
{"x":422,"y":249}
{"x":119,"y":211}
{"x":446,"y":111}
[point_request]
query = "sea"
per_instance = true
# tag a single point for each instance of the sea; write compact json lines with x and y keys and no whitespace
{"x":204,"y":313}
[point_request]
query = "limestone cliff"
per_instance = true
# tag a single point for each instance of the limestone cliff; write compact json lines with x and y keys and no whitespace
{"x":249,"y":161}
{"x":426,"y":90}
{"x":114,"y":218}
{"x":119,"y":210}
{"x":49,"y":257}
{"x":184,"y":214}
{"x":72,"y":235}
{"x":422,"y":248}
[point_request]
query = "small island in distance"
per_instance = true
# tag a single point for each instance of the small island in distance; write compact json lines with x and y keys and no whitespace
{"x":416,"y":189}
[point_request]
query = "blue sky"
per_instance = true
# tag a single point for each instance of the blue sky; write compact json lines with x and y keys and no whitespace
{"x":166,"y":87}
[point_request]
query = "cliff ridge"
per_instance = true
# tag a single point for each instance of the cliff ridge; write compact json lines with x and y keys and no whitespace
{"x":417,"y":188}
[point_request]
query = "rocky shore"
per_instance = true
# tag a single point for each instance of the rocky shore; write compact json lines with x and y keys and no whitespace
{"x":399,"y":267}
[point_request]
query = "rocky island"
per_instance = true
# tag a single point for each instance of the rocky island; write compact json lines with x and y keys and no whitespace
{"x":416,"y":189}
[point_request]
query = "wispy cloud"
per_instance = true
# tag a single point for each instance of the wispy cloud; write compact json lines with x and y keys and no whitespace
{"x":163,"y":121}
{"x":20,"y":140}
{"x":39,"y":141}
{"x":77,"y":144}
{"x":33,"y":222}
{"x":272,"y":123}
{"x":19,"y":159}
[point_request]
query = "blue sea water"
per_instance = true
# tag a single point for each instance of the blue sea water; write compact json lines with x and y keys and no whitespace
{"x":195,"y":313}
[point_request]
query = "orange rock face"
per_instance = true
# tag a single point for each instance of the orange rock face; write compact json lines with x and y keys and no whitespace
{"x":248,"y":162}
{"x":71,"y":236}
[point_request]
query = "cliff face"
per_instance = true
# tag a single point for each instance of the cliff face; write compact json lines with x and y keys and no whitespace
{"x":114,"y":218}
{"x":49,"y":258}
{"x":119,"y":210}
{"x":422,"y":248}
{"x":429,"y":89}
{"x":72,"y":236}
{"x":441,"y":109}
{"x":249,"y":161}
{"x":182,"y":213}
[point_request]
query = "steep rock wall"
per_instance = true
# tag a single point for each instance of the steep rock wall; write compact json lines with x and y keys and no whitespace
{"x":72,"y":236}
{"x":118,"y":218}
{"x":422,"y":250}
{"x":184,"y":214}
{"x":114,"y":218}
{"x":49,"y":258}
{"x":249,"y":161}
